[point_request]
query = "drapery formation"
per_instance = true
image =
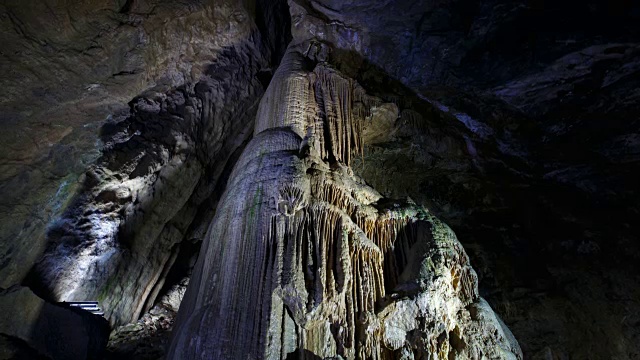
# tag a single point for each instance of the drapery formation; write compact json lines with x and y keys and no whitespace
{"x":303,"y":260}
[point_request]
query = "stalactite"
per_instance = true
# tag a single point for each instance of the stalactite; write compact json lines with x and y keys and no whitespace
{"x":344,"y":106}
{"x":326,"y":263}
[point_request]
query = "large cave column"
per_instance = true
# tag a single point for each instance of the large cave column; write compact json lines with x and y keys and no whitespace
{"x":226,"y":311}
{"x":303,"y":260}
{"x":229,"y":309}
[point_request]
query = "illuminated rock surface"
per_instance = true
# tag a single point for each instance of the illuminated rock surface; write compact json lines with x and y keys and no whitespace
{"x":303,"y":259}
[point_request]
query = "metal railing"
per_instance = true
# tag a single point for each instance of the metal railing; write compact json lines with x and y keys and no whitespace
{"x":90,"y":306}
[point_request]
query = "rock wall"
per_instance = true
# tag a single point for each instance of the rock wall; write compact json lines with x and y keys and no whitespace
{"x":68,"y":68}
{"x":120,"y":234}
{"x":123,"y":232}
{"x":516,"y":124}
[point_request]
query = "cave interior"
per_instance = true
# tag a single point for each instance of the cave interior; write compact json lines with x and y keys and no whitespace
{"x":320,"y":179}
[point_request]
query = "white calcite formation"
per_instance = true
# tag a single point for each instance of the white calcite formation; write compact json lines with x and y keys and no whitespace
{"x":305,"y":261}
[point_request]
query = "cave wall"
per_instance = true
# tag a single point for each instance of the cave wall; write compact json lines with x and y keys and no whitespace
{"x":122,"y":234}
{"x":67,"y":70}
{"x":514,"y":122}
{"x":113,"y":232}
{"x":303,"y":260}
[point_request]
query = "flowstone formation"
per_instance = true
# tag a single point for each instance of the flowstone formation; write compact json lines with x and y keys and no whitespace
{"x":303,"y":260}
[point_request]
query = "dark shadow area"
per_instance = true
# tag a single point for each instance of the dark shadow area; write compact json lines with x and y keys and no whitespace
{"x":303,"y":354}
{"x":18,"y":349}
{"x":47,"y":330}
{"x":274,"y":22}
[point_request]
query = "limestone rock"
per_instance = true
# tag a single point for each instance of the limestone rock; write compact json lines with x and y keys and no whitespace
{"x":68,"y":72}
{"x":67,"y":69}
{"x":515,"y":122}
{"x":303,"y":259}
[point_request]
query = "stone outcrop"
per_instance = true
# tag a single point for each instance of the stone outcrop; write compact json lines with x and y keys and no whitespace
{"x":123,"y":232}
{"x":517,"y":126}
{"x":304,"y":260}
{"x":72,"y":68}
{"x":148,"y":338}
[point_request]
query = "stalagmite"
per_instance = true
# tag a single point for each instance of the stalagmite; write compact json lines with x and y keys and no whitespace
{"x":305,"y":261}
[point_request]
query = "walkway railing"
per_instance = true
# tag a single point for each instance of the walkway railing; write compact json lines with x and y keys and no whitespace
{"x":90,"y":306}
